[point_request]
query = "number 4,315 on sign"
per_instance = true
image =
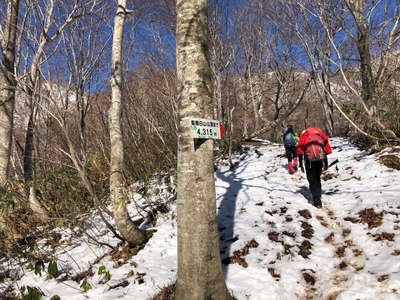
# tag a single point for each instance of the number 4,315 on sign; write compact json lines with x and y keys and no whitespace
{"x":206,"y":129}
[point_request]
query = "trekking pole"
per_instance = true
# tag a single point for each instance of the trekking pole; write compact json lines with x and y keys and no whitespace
{"x":333,"y":163}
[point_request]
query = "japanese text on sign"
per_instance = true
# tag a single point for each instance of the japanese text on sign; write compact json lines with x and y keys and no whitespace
{"x":206,"y":129}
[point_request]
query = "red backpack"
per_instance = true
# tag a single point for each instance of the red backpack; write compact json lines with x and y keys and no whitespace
{"x":314,"y":145}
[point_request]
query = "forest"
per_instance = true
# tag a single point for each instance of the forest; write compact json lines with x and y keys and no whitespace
{"x":106,"y":194}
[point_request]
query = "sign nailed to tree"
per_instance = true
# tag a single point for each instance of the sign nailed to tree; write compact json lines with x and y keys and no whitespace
{"x":206,"y":129}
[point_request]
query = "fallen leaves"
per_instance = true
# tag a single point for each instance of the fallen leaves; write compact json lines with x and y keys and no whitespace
{"x":384,"y":236}
{"x":370,"y":217}
{"x":308,"y":278}
{"x":305,"y":213}
{"x":390,"y":161}
{"x":305,"y":249}
{"x":308,"y":231}
{"x":238,"y":255}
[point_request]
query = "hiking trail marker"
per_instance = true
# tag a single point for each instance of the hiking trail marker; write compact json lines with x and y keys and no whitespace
{"x":206,"y":129}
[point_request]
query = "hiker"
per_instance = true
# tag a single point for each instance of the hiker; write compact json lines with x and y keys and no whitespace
{"x":289,"y":141}
{"x":314,"y":147}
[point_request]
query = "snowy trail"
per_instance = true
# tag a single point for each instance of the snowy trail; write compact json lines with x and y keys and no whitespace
{"x":310,"y":253}
{"x":274,"y":244}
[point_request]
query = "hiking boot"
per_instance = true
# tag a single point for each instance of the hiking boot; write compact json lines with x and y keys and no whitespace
{"x":295,"y":161}
{"x":291,"y":169}
{"x":317,"y":203}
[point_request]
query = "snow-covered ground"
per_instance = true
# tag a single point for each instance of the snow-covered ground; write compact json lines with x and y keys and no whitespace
{"x":274,"y":244}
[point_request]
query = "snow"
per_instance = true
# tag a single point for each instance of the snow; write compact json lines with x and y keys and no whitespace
{"x":290,"y":249}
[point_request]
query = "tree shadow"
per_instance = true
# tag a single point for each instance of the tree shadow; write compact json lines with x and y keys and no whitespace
{"x":226,"y":214}
{"x":226,"y":211}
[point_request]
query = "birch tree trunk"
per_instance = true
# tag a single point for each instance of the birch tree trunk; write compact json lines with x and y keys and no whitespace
{"x":7,"y":87}
{"x":200,"y":274}
{"x":119,"y":199}
{"x":356,"y":8}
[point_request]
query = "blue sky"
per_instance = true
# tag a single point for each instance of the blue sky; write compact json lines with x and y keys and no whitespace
{"x":149,"y":42}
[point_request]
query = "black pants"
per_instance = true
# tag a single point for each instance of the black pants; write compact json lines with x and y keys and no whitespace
{"x":313,"y":171}
{"x":290,"y":152}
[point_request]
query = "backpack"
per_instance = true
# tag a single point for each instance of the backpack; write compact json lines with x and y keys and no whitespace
{"x":314,"y":145}
{"x":288,"y":138}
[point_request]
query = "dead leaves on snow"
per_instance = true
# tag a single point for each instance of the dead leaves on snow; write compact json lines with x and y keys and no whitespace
{"x":305,"y":249}
{"x":367,"y":216}
{"x":238,"y":255}
{"x":384,"y":236}
{"x":390,"y":161}
{"x":305,"y":213}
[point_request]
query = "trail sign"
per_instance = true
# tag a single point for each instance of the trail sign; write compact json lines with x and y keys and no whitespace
{"x":206,"y":129}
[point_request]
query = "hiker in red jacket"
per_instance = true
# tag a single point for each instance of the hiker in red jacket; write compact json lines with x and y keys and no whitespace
{"x":314,"y":146}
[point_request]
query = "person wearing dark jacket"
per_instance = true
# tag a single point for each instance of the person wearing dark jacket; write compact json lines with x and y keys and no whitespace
{"x":289,"y":143}
{"x":314,"y":147}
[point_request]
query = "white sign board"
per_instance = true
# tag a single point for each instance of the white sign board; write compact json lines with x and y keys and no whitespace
{"x":206,"y":129}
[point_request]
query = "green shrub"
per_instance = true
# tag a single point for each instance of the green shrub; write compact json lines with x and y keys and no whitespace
{"x":63,"y":194}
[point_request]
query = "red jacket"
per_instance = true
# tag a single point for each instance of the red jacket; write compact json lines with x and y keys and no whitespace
{"x":301,"y":145}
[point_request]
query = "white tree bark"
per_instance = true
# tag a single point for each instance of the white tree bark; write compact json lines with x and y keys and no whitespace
{"x":7,"y":87}
{"x":36,"y":206}
{"x":119,"y":199}
{"x":200,"y":274}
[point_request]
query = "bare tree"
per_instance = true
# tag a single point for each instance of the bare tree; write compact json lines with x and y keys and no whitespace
{"x":8,"y":84}
{"x":361,"y":38}
{"x":199,"y":266}
{"x":221,"y":55}
{"x":118,"y":194}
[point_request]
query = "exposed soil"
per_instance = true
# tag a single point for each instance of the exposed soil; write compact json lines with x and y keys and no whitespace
{"x":346,"y":232}
{"x":343,"y":265}
{"x":322,"y":221}
{"x":370,"y":217}
{"x":284,"y":210}
{"x":166,"y":293}
{"x":308,"y":231}
{"x":305,"y":249}
{"x":309,"y":278}
{"x":305,"y":213}
{"x":288,"y":219}
{"x":238,"y":255}
{"x":271,"y":213}
{"x":396,"y":253}
{"x":140,"y":277}
{"x":384,"y":236}
{"x":122,"y":254}
{"x":82,"y":275}
{"x":340,"y":251}
{"x":274,"y":273}
{"x":352,"y":220}
{"x":390,"y":161}
{"x":287,"y":248}
{"x":330,"y":237}
{"x":273,"y":236}
{"x":290,"y":234}
{"x":383,"y":277}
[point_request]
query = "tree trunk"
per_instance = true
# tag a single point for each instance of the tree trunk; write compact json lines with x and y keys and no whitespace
{"x":326,"y":68}
{"x":28,"y":150}
{"x":30,"y":190}
{"x":368,"y":92}
{"x":200,"y":274}
{"x":36,"y":207}
{"x":368,"y":89}
{"x":119,"y":199}
{"x":7,"y":88}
